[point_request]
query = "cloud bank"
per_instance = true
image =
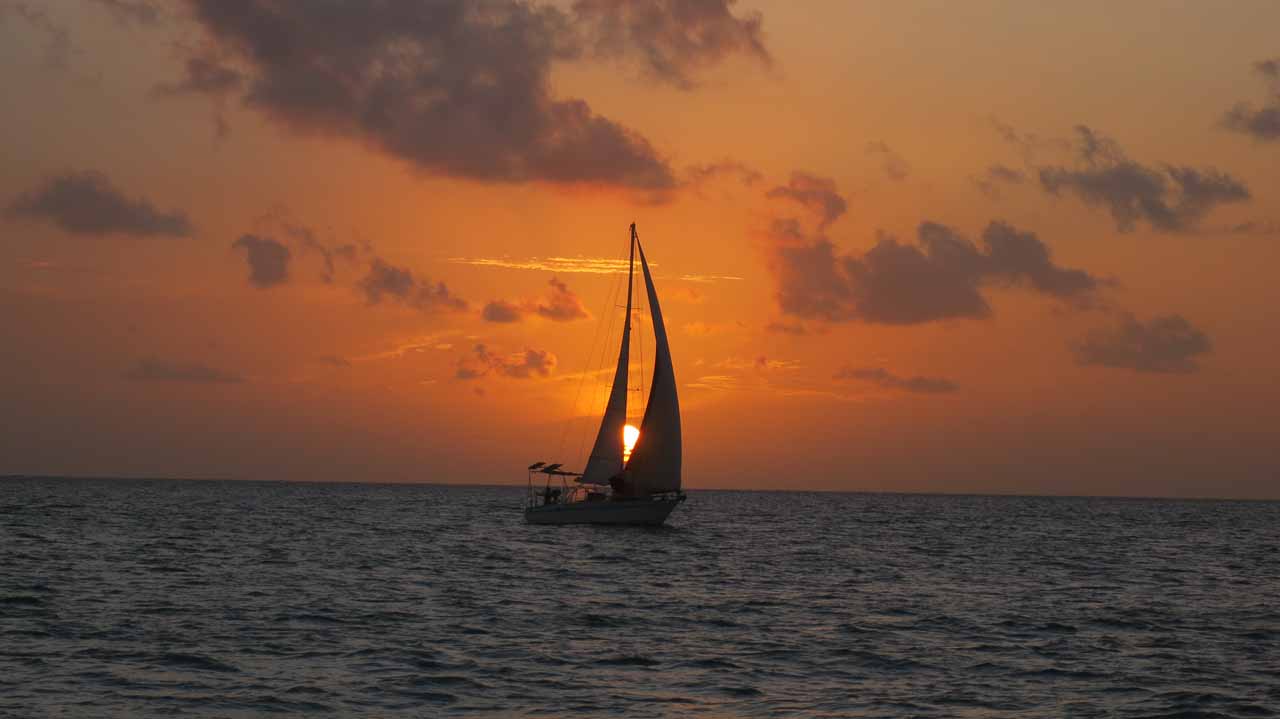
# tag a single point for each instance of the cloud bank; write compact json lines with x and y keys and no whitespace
{"x":527,"y":364}
{"x":87,"y":203}
{"x":1259,"y":122}
{"x":942,"y":276}
{"x":386,"y":282}
{"x":456,"y":87}
{"x":268,"y":260}
{"x":672,"y":39}
{"x":882,"y":377}
{"x":1164,"y":344}
{"x":1169,"y":198}
{"x":560,"y":305}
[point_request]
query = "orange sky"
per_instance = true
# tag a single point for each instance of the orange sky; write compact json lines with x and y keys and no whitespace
{"x":1125,"y":346}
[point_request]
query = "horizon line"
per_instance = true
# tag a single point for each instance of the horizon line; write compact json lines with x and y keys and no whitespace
{"x":1199,"y":498}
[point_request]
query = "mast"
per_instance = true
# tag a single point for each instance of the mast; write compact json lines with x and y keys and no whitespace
{"x":605,"y":460}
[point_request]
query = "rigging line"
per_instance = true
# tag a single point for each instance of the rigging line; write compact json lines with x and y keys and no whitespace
{"x":586,"y":367}
{"x":595,"y":390}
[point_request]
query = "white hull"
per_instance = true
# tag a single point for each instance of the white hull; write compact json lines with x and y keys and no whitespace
{"x":651,"y":512}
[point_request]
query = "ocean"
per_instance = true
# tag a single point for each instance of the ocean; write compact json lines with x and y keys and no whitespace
{"x":123,"y":598}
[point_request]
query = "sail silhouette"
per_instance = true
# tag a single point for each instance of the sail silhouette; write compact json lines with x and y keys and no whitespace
{"x":655,"y":460}
{"x":605,"y":461}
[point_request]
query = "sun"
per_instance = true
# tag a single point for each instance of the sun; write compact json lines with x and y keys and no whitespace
{"x":629,"y":436}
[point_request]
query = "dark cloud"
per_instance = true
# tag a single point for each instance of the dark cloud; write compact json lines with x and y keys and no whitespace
{"x":57,"y":48}
{"x":153,"y":369}
{"x":1028,"y":144}
{"x":331,"y":255}
{"x":126,"y":11}
{"x":86,"y":203}
{"x":941,"y":277}
{"x":204,"y":76}
{"x":817,"y":194}
{"x":502,"y":312}
{"x":268,"y":260}
{"x":449,"y":86}
{"x":335,"y":361}
{"x":989,"y":182}
{"x":895,"y":168}
{"x":698,"y":174}
{"x":1165,"y":344}
{"x":673,"y":39}
{"x":884,"y":378}
{"x":1259,"y":122}
{"x":530,"y":363}
{"x":398,"y":284}
{"x":1170,"y":198}
{"x":560,"y":305}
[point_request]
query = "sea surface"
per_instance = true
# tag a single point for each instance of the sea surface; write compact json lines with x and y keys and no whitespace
{"x":123,"y":598}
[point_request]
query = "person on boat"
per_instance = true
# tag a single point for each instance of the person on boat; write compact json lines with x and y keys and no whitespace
{"x":551,"y":495}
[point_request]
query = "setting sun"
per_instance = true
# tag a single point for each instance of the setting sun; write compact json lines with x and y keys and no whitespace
{"x":629,"y":436}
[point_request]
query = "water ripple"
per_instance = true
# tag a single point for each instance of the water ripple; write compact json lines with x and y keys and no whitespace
{"x":125,"y":598}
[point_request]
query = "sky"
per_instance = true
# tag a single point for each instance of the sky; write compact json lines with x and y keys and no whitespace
{"x":918,"y":246}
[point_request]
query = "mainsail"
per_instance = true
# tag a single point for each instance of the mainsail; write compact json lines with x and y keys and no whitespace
{"x":605,"y":461}
{"x":655,"y":460}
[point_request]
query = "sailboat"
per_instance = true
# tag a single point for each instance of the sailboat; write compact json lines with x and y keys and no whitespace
{"x":617,"y":486}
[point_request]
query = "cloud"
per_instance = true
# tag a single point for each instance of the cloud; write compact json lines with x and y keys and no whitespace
{"x":137,"y":11}
{"x":527,"y":364}
{"x":817,"y":194}
{"x":996,"y":175}
{"x":1163,"y":344}
{"x":759,"y":363}
{"x":940,"y":277}
{"x":57,"y":48}
{"x":349,"y":252}
{"x":153,"y":369}
{"x":398,"y":284}
{"x":206,"y":75}
{"x":335,"y":361}
{"x":895,"y":168}
{"x":587,"y":265}
{"x":560,"y":305}
{"x":884,"y":378}
{"x":451,"y":87}
{"x":501,"y":311}
{"x":203,"y":76}
{"x":709,"y":278}
{"x":268,"y":260}
{"x":86,"y":203}
{"x":1170,"y":198}
{"x":1260,"y":123}
{"x":1028,"y":144}
{"x":699,"y":174}
{"x":672,"y":39}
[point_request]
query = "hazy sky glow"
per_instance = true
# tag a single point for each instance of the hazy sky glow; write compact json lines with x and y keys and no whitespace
{"x":925,"y":246}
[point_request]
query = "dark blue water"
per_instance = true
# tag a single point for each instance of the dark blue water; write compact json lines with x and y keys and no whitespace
{"x":126,"y":598}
